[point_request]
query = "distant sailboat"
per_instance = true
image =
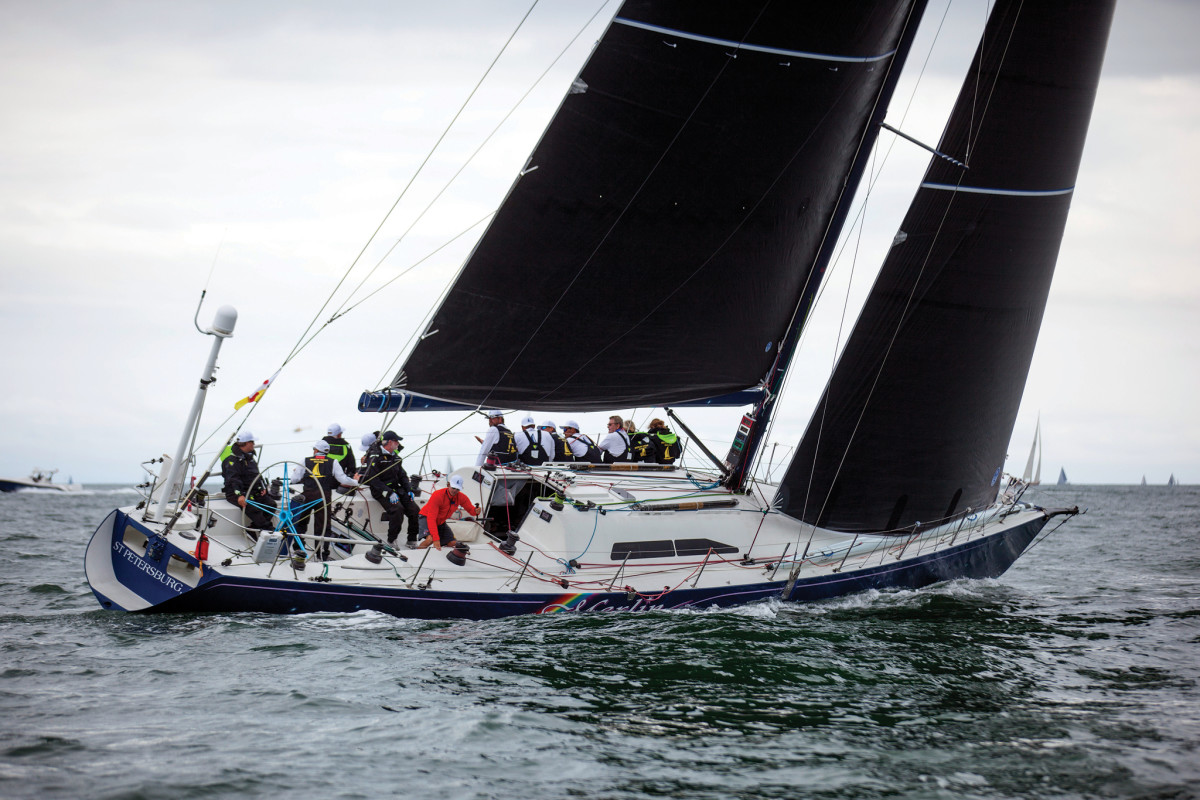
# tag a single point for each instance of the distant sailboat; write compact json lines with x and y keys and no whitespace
{"x":1171,"y":480}
{"x":1143,"y":480}
{"x":1062,"y":476}
{"x":1031,"y":476}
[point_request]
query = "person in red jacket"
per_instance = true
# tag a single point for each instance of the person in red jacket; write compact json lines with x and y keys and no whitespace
{"x":442,"y":503}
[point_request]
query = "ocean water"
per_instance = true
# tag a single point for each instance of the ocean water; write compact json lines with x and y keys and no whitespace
{"x":1075,"y":675}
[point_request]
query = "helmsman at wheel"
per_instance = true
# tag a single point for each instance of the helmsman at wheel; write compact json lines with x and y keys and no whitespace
{"x":322,"y":475}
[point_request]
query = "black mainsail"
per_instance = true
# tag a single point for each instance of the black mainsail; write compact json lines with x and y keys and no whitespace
{"x":914,"y":423}
{"x":667,"y":226}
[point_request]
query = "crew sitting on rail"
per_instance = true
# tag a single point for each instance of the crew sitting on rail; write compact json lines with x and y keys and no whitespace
{"x":615,"y":444}
{"x":498,"y":445}
{"x":442,"y":504}
{"x":582,"y":446}
{"x":666,"y":444}
{"x":533,"y":446}
{"x":321,"y":476}
{"x":641,"y":448}
{"x":561,"y":452}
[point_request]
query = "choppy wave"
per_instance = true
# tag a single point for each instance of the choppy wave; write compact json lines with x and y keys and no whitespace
{"x":1072,"y":676}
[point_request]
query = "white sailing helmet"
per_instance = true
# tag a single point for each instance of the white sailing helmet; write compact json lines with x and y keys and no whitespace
{"x":571,"y":424}
{"x":456,"y":482}
{"x":549,"y":424}
{"x":494,"y":414}
{"x":526,"y":421}
{"x":321,"y":446}
{"x":368,"y":439}
{"x":335,"y":430}
{"x":245,"y":436}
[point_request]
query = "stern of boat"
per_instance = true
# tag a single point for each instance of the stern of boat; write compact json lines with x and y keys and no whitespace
{"x":131,"y":568}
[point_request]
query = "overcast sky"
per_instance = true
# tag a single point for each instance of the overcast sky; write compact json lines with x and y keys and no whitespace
{"x":144,"y":145}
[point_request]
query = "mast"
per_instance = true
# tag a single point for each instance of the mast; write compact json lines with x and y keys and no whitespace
{"x":753,"y":427}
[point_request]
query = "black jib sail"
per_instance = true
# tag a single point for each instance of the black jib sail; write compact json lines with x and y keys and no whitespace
{"x":664,"y":231}
{"x":913,"y":426}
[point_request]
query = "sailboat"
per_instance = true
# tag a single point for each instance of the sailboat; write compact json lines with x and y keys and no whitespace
{"x":1033,"y":476}
{"x":1143,"y":480}
{"x":715,"y":148}
{"x":1171,"y":481}
{"x":1062,"y":476}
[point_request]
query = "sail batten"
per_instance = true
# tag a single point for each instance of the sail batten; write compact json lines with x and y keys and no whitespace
{"x":754,"y":48}
{"x":913,"y":426}
{"x":664,"y":242}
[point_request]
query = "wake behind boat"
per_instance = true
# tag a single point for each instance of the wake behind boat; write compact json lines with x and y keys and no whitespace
{"x":716,"y":148}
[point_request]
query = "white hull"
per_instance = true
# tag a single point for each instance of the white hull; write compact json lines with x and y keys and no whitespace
{"x":610,"y":545}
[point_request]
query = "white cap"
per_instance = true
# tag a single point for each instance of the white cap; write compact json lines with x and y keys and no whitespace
{"x":528,"y":420}
{"x":571,"y":424}
{"x":368,"y":439}
{"x":456,"y":482}
{"x":245,"y":436}
{"x":322,"y":446}
{"x":549,"y":424}
{"x":492,"y":414}
{"x":335,"y":430}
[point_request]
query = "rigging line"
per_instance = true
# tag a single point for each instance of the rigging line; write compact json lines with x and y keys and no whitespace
{"x":411,"y":267}
{"x":887,"y":352}
{"x":212,"y":268}
{"x":995,"y":80}
{"x":471,"y":157}
{"x":834,"y":360}
{"x":888,"y":154}
{"x":666,"y":298}
{"x":870,"y":187}
{"x":795,"y":327}
{"x":344,"y":310}
{"x":637,"y":192}
{"x":786,"y":378}
{"x":411,"y":180}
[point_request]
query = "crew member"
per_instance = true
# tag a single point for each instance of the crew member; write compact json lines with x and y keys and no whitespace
{"x":641,"y":445}
{"x":321,"y":476}
{"x":615,"y":445}
{"x":498,"y":445}
{"x":666,"y":444}
{"x":561,"y":453}
{"x":533,"y":446}
{"x":239,"y":470}
{"x":390,"y":485}
{"x":582,"y":446}
{"x":370,"y":446}
{"x":340,"y":450}
{"x":442,"y":504}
